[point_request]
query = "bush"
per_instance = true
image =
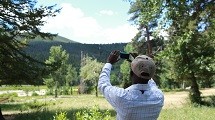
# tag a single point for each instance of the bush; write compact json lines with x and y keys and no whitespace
{"x":209,"y":101}
{"x":8,"y":95}
{"x":34,"y":94}
{"x":60,"y":116}
{"x":93,"y":114}
{"x":35,"y":105}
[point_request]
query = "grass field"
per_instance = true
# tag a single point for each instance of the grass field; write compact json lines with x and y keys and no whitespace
{"x":176,"y":107}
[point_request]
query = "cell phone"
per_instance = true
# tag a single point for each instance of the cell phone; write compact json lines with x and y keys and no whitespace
{"x":124,"y":55}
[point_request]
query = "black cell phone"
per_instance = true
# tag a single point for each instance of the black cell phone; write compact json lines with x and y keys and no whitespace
{"x":124,"y":55}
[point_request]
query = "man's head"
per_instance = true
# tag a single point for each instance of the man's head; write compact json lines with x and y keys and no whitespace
{"x":143,"y":67}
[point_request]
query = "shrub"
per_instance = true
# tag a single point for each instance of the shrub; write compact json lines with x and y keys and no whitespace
{"x":93,"y":114}
{"x":34,"y":94}
{"x":60,"y":116}
{"x":8,"y":95}
{"x":35,"y":105}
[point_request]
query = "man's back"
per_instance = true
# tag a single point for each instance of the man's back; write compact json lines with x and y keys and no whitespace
{"x":137,"y":102}
{"x":142,"y":100}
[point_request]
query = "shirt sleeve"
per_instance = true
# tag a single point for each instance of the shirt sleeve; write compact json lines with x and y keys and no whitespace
{"x":111,"y":93}
{"x":104,"y":78}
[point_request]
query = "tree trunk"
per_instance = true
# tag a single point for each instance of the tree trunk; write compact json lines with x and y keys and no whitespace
{"x":56,"y":87}
{"x":149,"y":46}
{"x":1,"y":116}
{"x":96,"y":87}
{"x":195,"y":95}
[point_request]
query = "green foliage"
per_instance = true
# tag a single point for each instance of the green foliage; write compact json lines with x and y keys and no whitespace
{"x":79,"y":103}
{"x":22,"y":87}
{"x":125,"y":67}
{"x":211,"y":101}
{"x":64,"y":75}
{"x":90,"y":74}
{"x":189,"y":47}
{"x":65,"y":90}
{"x":188,"y":56}
{"x":145,"y":14}
{"x":34,"y":105}
{"x":91,"y":69}
{"x":114,"y":79}
{"x":35,"y":94}
{"x":72,"y":76}
{"x":26,"y":106}
{"x":188,"y":113}
{"x":125,"y":71}
{"x":40,"y":50}
{"x":60,"y":116}
{"x":16,"y":66}
{"x":93,"y":114}
{"x":8,"y":95}
{"x":49,"y":82}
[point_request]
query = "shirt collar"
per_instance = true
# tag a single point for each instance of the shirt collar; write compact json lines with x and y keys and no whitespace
{"x":138,"y":87}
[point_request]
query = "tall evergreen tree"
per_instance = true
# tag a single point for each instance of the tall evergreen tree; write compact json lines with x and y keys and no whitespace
{"x":62,"y":77}
{"x":146,"y":21}
{"x":190,"y":48}
{"x":19,"y":21}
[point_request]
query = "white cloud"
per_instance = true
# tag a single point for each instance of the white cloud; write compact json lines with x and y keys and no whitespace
{"x":120,"y":34}
{"x":106,"y":12}
{"x":72,"y":23}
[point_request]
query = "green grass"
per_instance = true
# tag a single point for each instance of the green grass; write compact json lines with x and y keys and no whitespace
{"x":51,"y":105}
{"x":188,"y":113}
{"x":45,"y":107}
{"x":48,"y":114}
{"x":184,"y":113}
{"x":22,"y":87}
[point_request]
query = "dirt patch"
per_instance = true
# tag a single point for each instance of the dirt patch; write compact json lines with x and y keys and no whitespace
{"x":208,"y":92}
{"x":178,"y":99}
{"x":8,"y":117}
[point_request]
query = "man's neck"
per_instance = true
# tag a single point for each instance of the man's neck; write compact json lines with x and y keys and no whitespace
{"x":140,"y":81}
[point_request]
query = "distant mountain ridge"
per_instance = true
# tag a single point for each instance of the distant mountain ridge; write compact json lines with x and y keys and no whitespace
{"x":55,"y":39}
{"x":39,"y":49}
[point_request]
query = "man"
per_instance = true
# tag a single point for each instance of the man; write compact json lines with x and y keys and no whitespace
{"x":142,"y":100}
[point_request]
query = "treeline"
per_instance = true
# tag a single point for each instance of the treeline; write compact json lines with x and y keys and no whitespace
{"x":40,"y":50}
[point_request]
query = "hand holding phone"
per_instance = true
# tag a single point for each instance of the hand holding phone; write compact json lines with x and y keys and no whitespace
{"x":127,"y":56}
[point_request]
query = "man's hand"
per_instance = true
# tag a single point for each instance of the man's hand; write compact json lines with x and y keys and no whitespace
{"x":113,"y":57}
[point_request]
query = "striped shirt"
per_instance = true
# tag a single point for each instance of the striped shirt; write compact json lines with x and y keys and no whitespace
{"x":137,"y":102}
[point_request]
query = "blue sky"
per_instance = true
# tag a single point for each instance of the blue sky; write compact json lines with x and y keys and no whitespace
{"x":91,"y":21}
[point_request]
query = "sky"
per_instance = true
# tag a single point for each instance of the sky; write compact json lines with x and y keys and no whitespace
{"x":91,"y":21}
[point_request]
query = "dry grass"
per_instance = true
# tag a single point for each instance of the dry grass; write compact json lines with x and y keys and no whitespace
{"x":179,"y":99}
{"x":175,"y":105}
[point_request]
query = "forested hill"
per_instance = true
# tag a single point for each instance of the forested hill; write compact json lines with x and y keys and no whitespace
{"x":40,"y":50}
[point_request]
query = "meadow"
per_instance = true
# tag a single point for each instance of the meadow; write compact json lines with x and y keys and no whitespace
{"x":176,"y":107}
